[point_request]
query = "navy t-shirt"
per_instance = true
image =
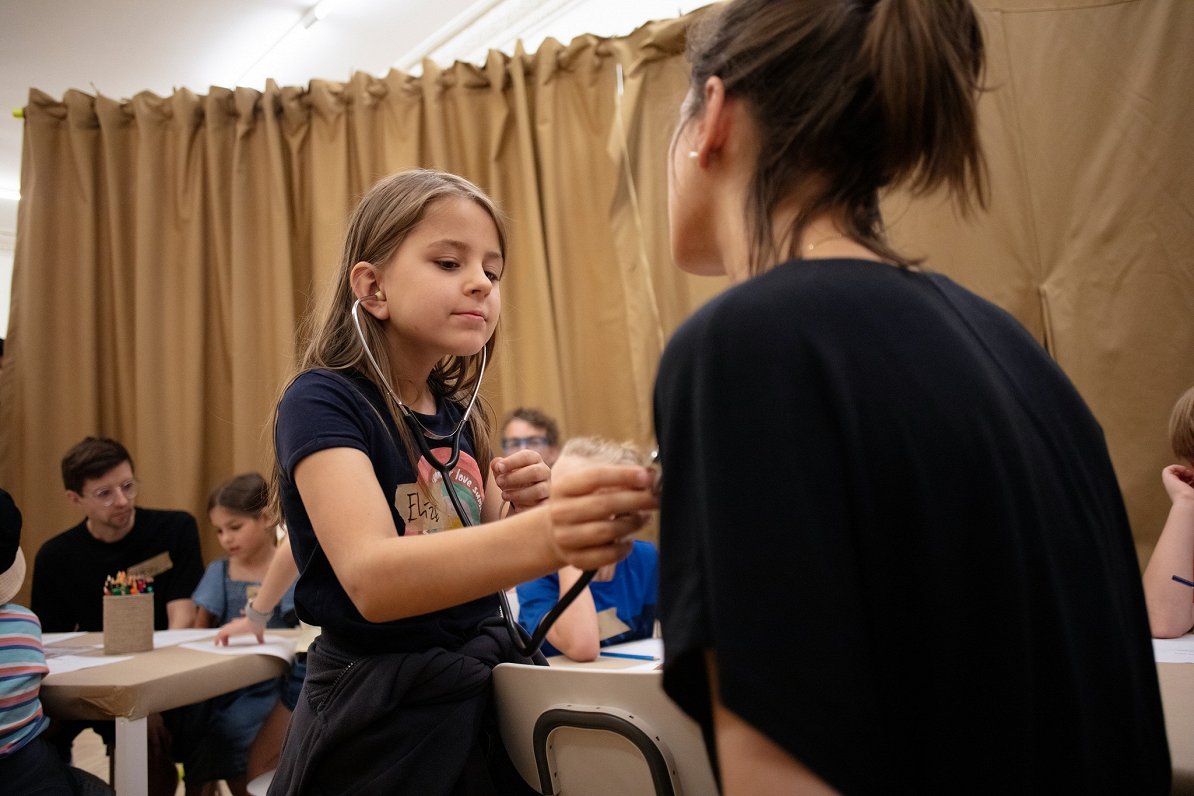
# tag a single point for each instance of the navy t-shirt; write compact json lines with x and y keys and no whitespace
{"x":342,"y":409}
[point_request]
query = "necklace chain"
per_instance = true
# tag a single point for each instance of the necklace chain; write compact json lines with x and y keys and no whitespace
{"x":815,"y":244}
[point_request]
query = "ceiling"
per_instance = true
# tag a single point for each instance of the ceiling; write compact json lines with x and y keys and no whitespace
{"x":120,"y":47}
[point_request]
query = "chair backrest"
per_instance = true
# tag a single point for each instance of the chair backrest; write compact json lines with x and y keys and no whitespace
{"x":579,"y":731}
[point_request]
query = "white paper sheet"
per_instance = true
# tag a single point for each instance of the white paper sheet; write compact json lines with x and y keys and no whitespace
{"x":277,"y":646}
{"x":171,"y":638}
{"x":1174,"y":650}
{"x":649,"y":647}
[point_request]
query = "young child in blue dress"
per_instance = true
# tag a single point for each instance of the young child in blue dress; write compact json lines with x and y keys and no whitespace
{"x":224,"y":727}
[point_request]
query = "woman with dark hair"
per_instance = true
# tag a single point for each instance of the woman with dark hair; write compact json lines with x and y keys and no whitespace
{"x":895,"y":557}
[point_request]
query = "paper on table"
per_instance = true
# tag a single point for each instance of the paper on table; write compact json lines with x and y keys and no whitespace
{"x":652,"y":647}
{"x":643,"y":646}
{"x":54,"y":638}
{"x":170,"y":638}
{"x":56,"y":645}
{"x":277,"y":646}
{"x":1174,"y":650}
{"x":62,"y":664}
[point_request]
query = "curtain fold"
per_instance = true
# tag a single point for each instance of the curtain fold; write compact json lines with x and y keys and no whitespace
{"x":168,"y":248}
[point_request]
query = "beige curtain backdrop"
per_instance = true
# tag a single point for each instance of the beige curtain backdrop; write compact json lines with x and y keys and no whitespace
{"x":168,"y":248}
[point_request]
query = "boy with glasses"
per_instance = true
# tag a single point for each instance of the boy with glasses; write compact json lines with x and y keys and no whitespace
{"x":525,"y":427}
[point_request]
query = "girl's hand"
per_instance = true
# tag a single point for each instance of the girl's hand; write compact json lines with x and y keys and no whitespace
{"x":239,"y":627}
{"x":1179,"y":482}
{"x":595,"y":509}
{"x":523,"y":477}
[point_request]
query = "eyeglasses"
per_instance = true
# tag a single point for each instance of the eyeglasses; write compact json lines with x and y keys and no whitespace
{"x":106,"y":495}
{"x":511,"y":444}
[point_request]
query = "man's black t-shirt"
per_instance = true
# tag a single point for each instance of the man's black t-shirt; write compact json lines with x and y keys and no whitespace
{"x":70,"y":569}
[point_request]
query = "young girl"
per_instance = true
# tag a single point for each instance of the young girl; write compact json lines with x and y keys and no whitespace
{"x":277,"y":585}
{"x":894,"y":553}
{"x":397,"y":694}
{"x":223,"y":728}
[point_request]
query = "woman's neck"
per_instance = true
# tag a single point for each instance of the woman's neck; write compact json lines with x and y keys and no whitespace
{"x":824,"y":237}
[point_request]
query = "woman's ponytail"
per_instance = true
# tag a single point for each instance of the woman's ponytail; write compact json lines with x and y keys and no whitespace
{"x":925,"y":59}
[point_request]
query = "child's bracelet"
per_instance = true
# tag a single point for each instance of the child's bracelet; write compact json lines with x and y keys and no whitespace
{"x":255,"y":616}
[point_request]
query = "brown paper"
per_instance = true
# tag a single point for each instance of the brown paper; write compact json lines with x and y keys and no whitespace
{"x":128,"y":623}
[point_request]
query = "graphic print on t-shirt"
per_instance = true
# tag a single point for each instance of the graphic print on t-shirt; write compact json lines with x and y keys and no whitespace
{"x":425,"y":507}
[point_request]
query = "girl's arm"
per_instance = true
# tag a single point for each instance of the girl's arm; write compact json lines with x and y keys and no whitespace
{"x":203,"y":618}
{"x":587,"y":523}
{"x":576,"y":633}
{"x":281,"y":573}
{"x":181,"y":613}
{"x":1171,"y":604}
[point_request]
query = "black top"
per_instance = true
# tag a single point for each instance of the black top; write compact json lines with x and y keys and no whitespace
{"x":70,"y":569}
{"x":896,"y":523}
{"x":325,"y":409}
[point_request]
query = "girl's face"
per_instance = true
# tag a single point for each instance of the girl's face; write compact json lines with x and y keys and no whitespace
{"x":441,"y":286}
{"x":241,"y":535}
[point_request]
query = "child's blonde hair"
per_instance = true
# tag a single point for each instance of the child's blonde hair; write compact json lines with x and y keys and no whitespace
{"x":604,"y":450}
{"x":1181,"y":426}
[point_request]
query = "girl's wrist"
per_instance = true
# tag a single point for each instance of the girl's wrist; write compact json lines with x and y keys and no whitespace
{"x":255,"y":616}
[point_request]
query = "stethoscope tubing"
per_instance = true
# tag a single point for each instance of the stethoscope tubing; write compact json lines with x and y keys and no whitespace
{"x":526,"y":646}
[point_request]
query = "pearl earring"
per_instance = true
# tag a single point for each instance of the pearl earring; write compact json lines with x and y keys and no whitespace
{"x":692,"y":153}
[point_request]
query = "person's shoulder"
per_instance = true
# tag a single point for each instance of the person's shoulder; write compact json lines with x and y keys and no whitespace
{"x":322,"y":389}
{"x":172,"y":518}
{"x":643,"y":555}
{"x":322,"y":380}
{"x":62,"y":543}
{"x":14,"y":612}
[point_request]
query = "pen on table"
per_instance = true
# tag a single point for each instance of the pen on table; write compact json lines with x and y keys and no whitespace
{"x":628,"y":656}
{"x":1180,"y":579}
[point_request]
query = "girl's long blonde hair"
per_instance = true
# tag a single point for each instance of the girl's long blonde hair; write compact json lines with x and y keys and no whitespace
{"x":385,"y":216}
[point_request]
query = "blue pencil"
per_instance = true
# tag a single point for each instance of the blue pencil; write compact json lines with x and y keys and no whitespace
{"x":1180,"y":579}
{"x":644,"y":657}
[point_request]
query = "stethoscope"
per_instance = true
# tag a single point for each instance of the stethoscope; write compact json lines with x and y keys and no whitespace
{"x":526,"y":645}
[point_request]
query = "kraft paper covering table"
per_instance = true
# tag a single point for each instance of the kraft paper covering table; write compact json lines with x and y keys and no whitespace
{"x":142,"y":683}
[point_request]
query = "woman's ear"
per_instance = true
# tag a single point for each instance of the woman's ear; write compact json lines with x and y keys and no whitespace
{"x":365,"y":281}
{"x":713,"y":123}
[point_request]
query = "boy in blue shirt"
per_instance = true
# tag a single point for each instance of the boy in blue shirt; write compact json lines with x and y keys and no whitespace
{"x":619,"y":603}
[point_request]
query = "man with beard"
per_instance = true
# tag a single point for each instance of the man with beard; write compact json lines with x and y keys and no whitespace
{"x":114,"y":536}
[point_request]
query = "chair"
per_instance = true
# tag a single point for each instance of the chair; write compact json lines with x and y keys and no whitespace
{"x":259,"y":786}
{"x":579,"y":731}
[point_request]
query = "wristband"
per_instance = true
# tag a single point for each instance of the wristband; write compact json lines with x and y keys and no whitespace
{"x":255,"y":616}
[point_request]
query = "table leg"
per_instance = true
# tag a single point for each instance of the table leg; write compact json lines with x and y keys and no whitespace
{"x":132,"y":757}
